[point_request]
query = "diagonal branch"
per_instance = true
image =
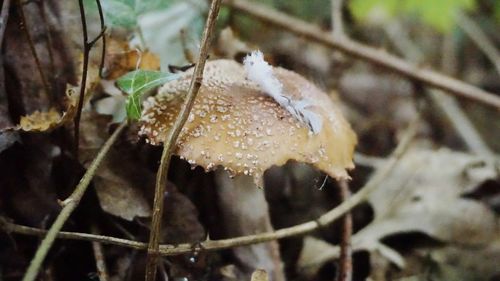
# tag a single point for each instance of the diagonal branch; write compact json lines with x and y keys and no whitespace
{"x":366,"y":53}
{"x":69,"y":205}
{"x":213,"y":245}
{"x":170,"y":142}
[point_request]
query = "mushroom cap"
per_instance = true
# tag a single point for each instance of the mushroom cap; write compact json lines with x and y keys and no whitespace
{"x":235,"y":125}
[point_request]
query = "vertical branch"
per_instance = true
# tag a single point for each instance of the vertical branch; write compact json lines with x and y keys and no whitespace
{"x":83,"y":81}
{"x":337,"y":21}
{"x":169,"y":144}
{"x":32,"y":48}
{"x":69,"y":205}
{"x":338,"y":60}
{"x":103,"y":28}
{"x":100,"y":263}
{"x":87,"y":46}
{"x":345,"y":259}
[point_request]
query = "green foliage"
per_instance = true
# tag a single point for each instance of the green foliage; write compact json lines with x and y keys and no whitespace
{"x":362,"y":9}
{"x":497,"y":10}
{"x":124,"y":13}
{"x":136,"y":83}
{"x":439,"y":14}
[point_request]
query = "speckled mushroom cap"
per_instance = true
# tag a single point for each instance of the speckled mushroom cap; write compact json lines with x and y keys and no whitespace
{"x":235,"y":125}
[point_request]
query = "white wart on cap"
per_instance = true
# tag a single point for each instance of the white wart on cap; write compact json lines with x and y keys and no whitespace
{"x":235,"y":124}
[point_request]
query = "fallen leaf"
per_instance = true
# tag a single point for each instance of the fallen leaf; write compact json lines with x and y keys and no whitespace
{"x":260,"y":275}
{"x":120,"y":59}
{"x":120,"y":195}
{"x":427,"y":187}
{"x":39,"y":121}
{"x":424,"y":193}
{"x":120,"y":182}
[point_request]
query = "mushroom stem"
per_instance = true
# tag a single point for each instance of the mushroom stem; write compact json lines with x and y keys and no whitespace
{"x":245,"y":211}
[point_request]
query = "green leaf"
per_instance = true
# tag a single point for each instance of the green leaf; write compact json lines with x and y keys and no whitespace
{"x":120,"y":13}
{"x":144,"y":6}
{"x":497,"y":10}
{"x":363,"y":10}
{"x":136,"y":83}
{"x":439,"y":14}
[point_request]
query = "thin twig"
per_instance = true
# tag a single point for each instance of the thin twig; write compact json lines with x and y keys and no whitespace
{"x":366,"y":53}
{"x":33,"y":50}
{"x":474,"y":31}
{"x":100,"y":262}
{"x":337,"y":21}
{"x":170,"y":142}
{"x":68,"y":206}
{"x":87,"y":46}
{"x":4,"y":18}
{"x":103,"y":29}
{"x":213,"y":245}
{"x":345,"y":259}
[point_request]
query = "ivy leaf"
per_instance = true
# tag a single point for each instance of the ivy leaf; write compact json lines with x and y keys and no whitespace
{"x":120,"y":13}
{"x":136,"y":83}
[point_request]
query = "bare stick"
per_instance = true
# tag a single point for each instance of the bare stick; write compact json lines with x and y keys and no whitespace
{"x":33,"y":50}
{"x":68,"y":206}
{"x":345,"y":259}
{"x":87,"y":46}
{"x":170,"y":142}
{"x":100,"y":263}
{"x":344,"y":272}
{"x":337,"y":22}
{"x":369,"y":54}
{"x":474,"y":31}
{"x":103,"y":29}
{"x":26,"y":230}
{"x":213,"y":245}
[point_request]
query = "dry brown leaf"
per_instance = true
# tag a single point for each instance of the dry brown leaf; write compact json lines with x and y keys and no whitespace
{"x":121,"y":197}
{"x":39,"y":121}
{"x":120,"y":59}
{"x":423,"y":194}
{"x":260,"y":275}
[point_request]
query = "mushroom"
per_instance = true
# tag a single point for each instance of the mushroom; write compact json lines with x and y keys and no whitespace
{"x":247,"y":125}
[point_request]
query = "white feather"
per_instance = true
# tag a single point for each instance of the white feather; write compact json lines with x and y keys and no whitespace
{"x":260,"y":72}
